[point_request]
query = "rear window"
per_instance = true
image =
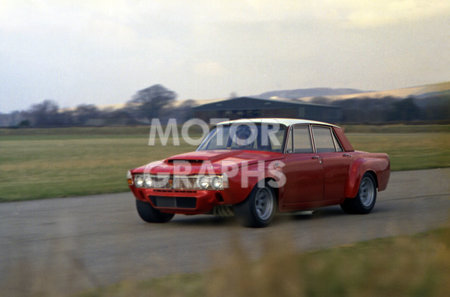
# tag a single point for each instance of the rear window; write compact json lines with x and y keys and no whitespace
{"x":323,"y":139}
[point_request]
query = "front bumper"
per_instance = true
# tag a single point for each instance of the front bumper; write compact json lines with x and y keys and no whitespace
{"x":182,"y":201}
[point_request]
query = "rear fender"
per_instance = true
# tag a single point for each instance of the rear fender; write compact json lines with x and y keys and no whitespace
{"x":379,"y":167}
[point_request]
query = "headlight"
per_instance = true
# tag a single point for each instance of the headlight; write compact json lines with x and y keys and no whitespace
{"x":217,"y":182}
{"x":203,"y":182}
{"x":148,"y":181}
{"x":139,"y":181}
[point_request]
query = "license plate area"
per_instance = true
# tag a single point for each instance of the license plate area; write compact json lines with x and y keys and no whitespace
{"x":174,"y":202}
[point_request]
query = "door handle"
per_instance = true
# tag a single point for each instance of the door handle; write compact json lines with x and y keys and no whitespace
{"x":347,"y":155}
{"x":317,"y":158}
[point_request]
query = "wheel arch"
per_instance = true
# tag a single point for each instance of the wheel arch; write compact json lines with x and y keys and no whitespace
{"x":374,"y":176}
{"x":267,"y":181}
{"x":246,"y":211}
{"x":358,"y":169}
{"x":276,"y":190}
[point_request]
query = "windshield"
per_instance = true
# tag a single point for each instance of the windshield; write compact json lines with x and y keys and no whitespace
{"x":245,"y":136}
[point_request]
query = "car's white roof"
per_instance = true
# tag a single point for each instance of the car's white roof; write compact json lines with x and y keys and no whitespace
{"x":282,"y":121}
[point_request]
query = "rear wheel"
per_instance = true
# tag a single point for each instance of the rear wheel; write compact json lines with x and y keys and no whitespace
{"x":365,"y":199}
{"x":151,"y":215}
{"x":258,"y":209}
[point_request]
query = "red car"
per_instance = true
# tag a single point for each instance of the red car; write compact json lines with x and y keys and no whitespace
{"x":253,"y":168}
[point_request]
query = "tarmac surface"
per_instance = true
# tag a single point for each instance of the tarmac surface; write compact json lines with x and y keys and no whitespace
{"x":65,"y":245}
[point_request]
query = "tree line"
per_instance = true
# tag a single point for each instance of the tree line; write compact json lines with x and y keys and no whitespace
{"x":435,"y":107}
{"x":159,"y":102}
{"x":155,"y":101}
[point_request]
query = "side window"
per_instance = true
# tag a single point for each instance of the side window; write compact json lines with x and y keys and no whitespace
{"x":336,"y":143}
{"x":302,"y":140}
{"x":323,"y":139}
{"x":289,"y":142}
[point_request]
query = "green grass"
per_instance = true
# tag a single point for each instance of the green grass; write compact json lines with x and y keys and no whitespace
{"x":398,"y":128}
{"x":407,"y":151}
{"x":61,"y":162}
{"x":77,"y":131}
{"x":71,"y":165}
{"x":416,"y":265}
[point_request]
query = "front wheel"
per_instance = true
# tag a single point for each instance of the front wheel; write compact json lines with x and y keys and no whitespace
{"x":258,"y":209}
{"x":364,"y":201}
{"x":151,"y":215}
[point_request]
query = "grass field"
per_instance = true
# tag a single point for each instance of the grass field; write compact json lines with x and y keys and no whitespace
{"x":413,"y":266}
{"x":44,"y":163}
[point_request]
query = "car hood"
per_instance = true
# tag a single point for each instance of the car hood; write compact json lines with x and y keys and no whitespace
{"x":214,"y":160}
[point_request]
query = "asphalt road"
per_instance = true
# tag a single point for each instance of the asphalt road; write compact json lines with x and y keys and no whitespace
{"x":65,"y":245}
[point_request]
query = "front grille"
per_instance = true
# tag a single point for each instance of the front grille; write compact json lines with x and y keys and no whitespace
{"x":174,"y":191}
{"x":174,"y":182}
{"x":174,"y":202}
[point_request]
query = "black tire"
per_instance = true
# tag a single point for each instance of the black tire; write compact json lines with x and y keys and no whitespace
{"x":365,"y":200}
{"x":258,"y":209}
{"x":151,"y":215}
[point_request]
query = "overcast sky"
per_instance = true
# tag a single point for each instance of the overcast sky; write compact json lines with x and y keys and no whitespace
{"x":102,"y":52}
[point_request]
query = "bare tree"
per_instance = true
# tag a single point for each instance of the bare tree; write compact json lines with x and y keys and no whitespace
{"x":44,"y":114}
{"x":85,"y":112}
{"x":149,"y":102}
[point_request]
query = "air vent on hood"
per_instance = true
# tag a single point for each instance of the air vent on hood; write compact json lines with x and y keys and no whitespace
{"x":171,"y":161}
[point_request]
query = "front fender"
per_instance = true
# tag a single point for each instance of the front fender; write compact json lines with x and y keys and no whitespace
{"x":379,"y":165}
{"x":251,"y":175}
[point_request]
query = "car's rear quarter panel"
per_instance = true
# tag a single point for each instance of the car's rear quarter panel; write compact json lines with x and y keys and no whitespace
{"x":377,"y":163}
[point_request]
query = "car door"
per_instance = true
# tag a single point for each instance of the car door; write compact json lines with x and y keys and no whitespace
{"x":335,"y":163}
{"x":303,"y":171}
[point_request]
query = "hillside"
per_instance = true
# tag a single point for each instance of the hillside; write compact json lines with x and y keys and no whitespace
{"x":310,"y":92}
{"x":418,"y":92}
{"x":330,"y":93}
